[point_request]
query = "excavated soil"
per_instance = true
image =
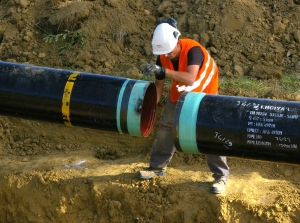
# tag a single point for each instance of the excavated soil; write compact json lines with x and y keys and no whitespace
{"x":55,"y":173}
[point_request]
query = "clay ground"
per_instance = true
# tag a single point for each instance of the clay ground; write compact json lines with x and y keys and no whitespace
{"x":40,"y":181}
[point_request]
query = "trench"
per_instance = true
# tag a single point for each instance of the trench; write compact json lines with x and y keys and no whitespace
{"x":58,"y":194}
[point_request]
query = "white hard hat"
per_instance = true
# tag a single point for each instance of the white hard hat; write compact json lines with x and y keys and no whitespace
{"x":165,"y":38}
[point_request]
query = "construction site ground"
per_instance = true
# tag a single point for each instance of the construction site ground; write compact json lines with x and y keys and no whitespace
{"x":55,"y":173}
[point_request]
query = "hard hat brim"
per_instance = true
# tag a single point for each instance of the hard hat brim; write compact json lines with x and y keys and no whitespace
{"x":162,"y":52}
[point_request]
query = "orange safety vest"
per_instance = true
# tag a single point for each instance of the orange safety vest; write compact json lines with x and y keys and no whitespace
{"x":207,"y":77}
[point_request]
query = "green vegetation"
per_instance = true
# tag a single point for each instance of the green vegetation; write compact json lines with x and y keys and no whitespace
{"x":69,"y":38}
{"x":260,"y":87}
{"x":289,"y":85}
{"x":291,"y":82}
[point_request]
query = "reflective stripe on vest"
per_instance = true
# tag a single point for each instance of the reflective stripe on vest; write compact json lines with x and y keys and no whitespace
{"x":202,"y":76}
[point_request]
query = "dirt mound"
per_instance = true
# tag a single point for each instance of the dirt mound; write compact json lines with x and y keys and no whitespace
{"x":53,"y":173}
{"x":245,"y":37}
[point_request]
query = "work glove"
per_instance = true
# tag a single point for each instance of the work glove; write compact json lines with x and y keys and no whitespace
{"x":160,"y":72}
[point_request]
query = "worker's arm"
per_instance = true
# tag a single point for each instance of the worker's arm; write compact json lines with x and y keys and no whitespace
{"x":186,"y":78}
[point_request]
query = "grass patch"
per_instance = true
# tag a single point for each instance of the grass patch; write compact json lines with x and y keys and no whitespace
{"x":70,"y":40}
{"x":291,"y":82}
{"x":247,"y":84}
{"x":289,"y":85}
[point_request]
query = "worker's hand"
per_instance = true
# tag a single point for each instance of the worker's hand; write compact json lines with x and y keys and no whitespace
{"x":160,"y":72}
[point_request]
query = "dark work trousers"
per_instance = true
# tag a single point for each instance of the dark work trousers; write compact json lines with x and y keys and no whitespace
{"x":164,"y":148}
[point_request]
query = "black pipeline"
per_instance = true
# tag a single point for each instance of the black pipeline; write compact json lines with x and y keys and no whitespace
{"x":77,"y":99}
{"x":242,"y":127}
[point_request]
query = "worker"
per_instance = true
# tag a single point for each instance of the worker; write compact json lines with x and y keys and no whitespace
{"x":190,"y":67}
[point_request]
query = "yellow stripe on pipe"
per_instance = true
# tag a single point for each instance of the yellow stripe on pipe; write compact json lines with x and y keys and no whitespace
{"x":65,"y":109}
